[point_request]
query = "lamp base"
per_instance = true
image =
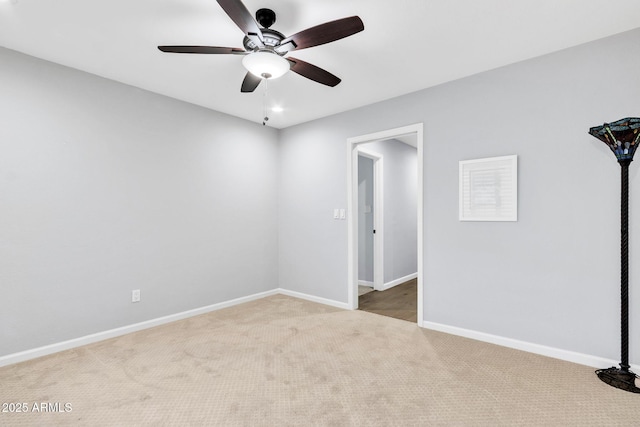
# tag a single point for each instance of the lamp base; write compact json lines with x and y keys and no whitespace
{"x":619,"y":378}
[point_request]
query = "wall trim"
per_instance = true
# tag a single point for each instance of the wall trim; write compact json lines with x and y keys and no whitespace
{"x":399,"y":281}
{"x":556,"y":353}
{"x":313,"y":298}
{"x":112,"y":333}
{"x":365,"y":283}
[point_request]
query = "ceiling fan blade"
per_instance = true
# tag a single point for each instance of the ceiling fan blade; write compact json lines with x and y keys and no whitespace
{"x":321,"y":34}
{"x":250,"y":83}
{"x":203,"y":49}
{"x":239,"y":14}
{"x":312,"y":72}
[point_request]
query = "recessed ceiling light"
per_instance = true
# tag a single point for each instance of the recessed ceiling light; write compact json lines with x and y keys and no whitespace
{"x":277,"y":109}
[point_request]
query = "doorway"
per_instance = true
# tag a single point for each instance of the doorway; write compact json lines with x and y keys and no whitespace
{"x":354,"y":149}
{"x":390,"y":165}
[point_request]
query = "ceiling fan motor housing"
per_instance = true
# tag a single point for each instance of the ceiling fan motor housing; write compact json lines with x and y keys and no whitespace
{"x":271,"y":38}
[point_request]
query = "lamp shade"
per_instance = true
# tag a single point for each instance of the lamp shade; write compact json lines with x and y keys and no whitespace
{"x":621,"y":136}
{"x":266,"y":65}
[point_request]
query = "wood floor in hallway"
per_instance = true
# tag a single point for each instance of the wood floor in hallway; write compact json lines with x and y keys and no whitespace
{"x":399,"y":302}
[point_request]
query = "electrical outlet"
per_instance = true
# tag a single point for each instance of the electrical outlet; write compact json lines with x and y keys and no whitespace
{"x":135,"y":295}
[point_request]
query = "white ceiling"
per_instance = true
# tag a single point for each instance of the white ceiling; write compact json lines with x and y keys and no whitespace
{"x":407,"y":45}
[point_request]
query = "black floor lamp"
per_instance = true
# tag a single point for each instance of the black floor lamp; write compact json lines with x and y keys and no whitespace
{"x":622,"y":137}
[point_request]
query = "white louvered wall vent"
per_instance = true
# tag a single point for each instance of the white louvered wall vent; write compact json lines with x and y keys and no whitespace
{"x":489,"y":189}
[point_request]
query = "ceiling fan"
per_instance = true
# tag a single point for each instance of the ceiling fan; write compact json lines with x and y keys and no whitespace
{"x":265,"y":49}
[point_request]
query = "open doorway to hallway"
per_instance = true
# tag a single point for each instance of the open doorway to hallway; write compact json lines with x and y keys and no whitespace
{"x":387,"y":227}
{"x":396,"y":268}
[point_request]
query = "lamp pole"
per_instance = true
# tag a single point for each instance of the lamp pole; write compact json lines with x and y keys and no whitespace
{"x":624,"y":265}
{"x":622,"y":137}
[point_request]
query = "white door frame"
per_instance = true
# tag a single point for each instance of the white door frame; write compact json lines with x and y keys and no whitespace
{"x":378,"y":216}
{"x":352,"y":205}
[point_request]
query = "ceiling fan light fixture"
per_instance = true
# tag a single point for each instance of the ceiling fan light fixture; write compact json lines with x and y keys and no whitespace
{"x":266,"y":65}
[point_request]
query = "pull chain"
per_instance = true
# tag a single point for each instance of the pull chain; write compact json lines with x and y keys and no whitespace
{"x":265,"y":110}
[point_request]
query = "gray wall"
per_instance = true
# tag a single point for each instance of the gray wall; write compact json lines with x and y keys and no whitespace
{"x":105,"y":188}
{"x":551,"y":278}
{"x":400,"y":185}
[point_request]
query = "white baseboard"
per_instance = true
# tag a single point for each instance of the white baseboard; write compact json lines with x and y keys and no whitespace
{"x":313,"y":298}
{"x":556,"y":353}
{"x":570,"y":356}
{"x":399,"y":281}
{"x":365,"y":283}
{"x":100,"y":336}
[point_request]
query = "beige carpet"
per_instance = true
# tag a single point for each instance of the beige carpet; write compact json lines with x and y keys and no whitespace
{"x":282,"y":361}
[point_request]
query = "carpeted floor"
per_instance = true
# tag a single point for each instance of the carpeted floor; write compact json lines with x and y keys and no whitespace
{"x":282,"y":361}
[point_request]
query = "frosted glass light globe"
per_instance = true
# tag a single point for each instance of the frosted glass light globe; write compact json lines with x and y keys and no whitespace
{"x":266,"y":65}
